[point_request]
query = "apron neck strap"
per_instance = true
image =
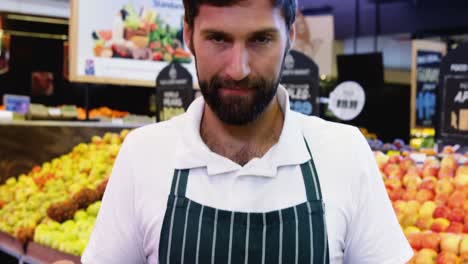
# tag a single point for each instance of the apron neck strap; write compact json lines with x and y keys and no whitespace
{"x":179,"y":182}
{"x":311,"y":181}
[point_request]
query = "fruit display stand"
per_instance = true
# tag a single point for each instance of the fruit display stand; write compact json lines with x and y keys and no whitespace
{"x":10,"y":246}
{"x":429,"y":194}
{"x":39,"y":254}
{"x":26,"y":144}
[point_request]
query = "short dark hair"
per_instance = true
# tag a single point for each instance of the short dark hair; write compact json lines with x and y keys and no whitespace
{"x":288,"y":8}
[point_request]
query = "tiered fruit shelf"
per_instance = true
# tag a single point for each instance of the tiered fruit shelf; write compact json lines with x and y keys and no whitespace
{"x":430,"y":201}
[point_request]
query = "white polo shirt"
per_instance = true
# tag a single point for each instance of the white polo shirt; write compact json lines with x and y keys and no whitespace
{"x":362,"y":227}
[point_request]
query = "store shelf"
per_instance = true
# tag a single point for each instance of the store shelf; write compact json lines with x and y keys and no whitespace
{"x":11,"y":245}
{"x":71,"y":124}
{"x":39,"y":254}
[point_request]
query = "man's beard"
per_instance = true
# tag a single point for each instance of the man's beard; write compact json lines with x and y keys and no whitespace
{"x":240,"y":110}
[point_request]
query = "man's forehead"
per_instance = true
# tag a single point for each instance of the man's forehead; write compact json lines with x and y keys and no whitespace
{"x":249,"y":13}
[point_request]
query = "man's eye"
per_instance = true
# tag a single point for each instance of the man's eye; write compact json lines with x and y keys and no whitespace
{"x":262,"y":40}
{"x":217,"y":39}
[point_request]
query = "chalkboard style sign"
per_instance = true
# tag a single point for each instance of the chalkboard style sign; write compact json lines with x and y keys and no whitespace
{"x":427,"y":76}
{"x":174,"y":91}
{"x":453,"y":103}
{"x":301,"y":79}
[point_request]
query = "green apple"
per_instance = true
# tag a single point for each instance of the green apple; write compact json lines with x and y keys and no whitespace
{"x":80,"y":215}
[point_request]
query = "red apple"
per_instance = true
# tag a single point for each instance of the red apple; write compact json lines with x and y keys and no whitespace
{"x":411,"y":181}
{"x":425,"y":256}
{"x":441,"y":199}
{"x":449,"y":162}
{"x":444,"y":185}
{"x":464,"y":245}
{"x":428,"y":183}
{"x":427,"y":209}
{"x":431,"y":241}
{"x":393,"y":169}
{"x":394,"y":159}
{"x":411,"y":230}
{"x":393,"y":183}
{"x":440,"y":225}
{"x":441,"y":211}
{"x":456,"y":200}
{"x":430,"y":171}
{"x":455,"y":227}
{"x":395,"y":194}
{"x":424,"y":195}
{"x":450,"y":243}
{"x":415,"y":240}
{"x":406,"y":164}
{"x":456,"y":215}
{"x":464,"y":257}
{"x":409,"y":195}
{"x":424,"y":223}
{"x":448,"y":258}
{"x":446,"y":173}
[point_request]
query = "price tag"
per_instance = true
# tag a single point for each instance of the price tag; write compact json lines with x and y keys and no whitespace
{"x":16,"y":103}
{"x":347,"y":100}
{"x":6,"y":115}
{"x":54,"y":111}
{"x":418,"y":157}
{"x":117,"y":121}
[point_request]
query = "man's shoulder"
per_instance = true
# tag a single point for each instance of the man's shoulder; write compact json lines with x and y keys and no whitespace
{"x":160,"y":132}
{"x":316,"y":127}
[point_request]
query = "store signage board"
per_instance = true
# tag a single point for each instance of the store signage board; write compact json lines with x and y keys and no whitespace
{"x":347,"y":100}
{"x":301,"y":79}
{"x":16,"y":103}
{"x":4,"y":51}
{"x":427,"y":79}
{"x":426,"y":60}
{"x":453,"y":103}
{"x":126,"y":42}
{"x":174,"y":91}
{"x":314,"y":38}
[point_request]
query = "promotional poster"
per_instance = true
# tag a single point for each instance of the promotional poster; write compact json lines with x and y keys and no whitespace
{"x":126,"y":42}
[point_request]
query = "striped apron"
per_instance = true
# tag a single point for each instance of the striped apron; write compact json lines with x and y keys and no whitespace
{"x":198,"y":234}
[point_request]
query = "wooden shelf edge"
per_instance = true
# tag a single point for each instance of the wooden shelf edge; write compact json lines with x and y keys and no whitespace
{"x":43,"y":254}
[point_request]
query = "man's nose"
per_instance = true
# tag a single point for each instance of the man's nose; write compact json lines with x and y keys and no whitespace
{"x":238,"y":66}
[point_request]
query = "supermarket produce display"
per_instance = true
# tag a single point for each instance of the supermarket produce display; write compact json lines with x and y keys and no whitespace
{"x":51,"y":210}
{"x":430,"y":200}
{"x":56,"y":204}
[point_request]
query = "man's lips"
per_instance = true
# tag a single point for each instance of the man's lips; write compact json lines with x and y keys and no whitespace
{"x":235,"y":91}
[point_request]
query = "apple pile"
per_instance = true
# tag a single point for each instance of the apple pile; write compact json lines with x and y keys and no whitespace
{"x":430,"y":200}
{"x":71,"y":236}
{"x":59,"y":188}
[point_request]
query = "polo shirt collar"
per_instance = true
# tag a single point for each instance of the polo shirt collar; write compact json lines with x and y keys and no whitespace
{"x":192,"y":152}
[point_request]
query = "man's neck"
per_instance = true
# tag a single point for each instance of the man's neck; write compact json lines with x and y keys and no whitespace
{"x":242,"y":143}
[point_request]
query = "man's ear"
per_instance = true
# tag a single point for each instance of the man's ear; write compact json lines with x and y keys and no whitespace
{"x":292,"y":35}
{"x":188,"y":31}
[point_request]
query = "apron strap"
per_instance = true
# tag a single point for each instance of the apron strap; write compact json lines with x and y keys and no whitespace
{"x":311,"y":180}
{"x":179,"y":182}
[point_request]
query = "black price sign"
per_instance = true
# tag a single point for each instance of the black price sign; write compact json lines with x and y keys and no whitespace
{"x":301,"y":79}
{"x":455,"y":97}
{"x":427,"y":75}
{"x":453,"y":122}
{"x":174,"y":91}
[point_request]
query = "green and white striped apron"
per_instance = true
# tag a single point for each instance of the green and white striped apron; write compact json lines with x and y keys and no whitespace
{"x":198,"y":234}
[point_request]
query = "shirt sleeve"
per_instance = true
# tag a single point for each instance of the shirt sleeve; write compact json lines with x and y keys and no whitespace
{"x":374,"y":235}
{"x":115,"y":237}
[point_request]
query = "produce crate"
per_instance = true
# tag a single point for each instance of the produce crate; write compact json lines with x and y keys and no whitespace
{"x":39,"y":254}
{"x":10,"y":245}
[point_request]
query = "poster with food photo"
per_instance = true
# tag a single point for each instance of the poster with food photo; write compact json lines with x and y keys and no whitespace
{"x":126,"y":41}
